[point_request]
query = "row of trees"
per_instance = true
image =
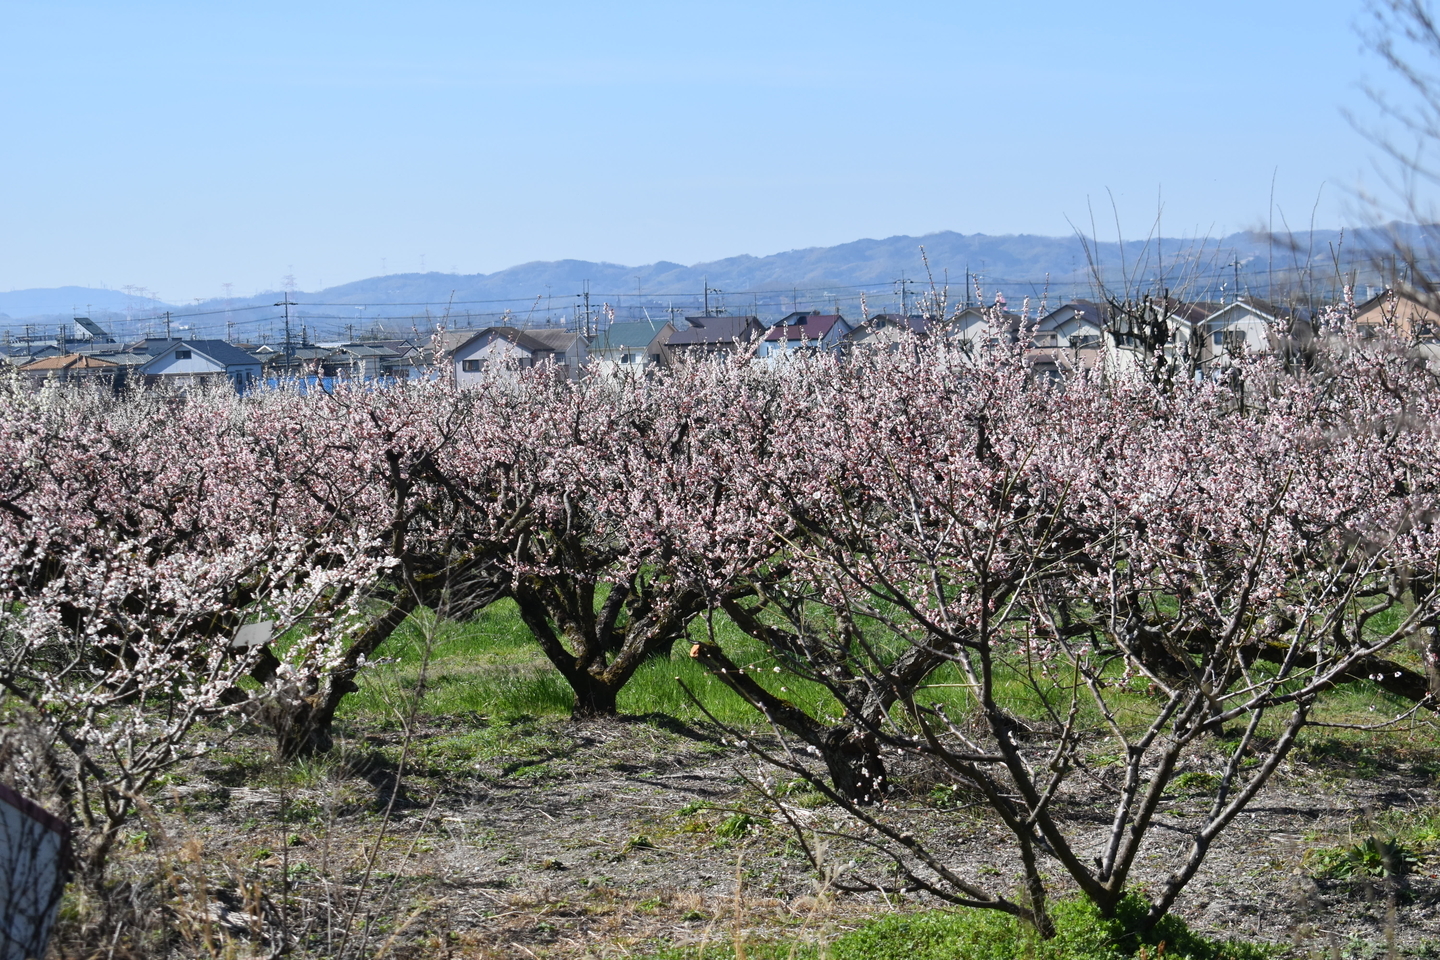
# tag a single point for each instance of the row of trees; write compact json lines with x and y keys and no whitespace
{"x":1138,"y":567}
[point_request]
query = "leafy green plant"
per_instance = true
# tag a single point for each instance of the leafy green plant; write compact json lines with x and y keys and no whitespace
{"x":736,"y":826}
{"x":1197,"y":781}
{"x":1371,"y":857}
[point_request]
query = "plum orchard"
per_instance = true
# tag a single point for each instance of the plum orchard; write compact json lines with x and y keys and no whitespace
{"x":1070,"y":544}
{"x":1161,"y":565}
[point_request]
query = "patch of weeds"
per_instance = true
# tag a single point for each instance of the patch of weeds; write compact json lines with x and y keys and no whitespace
{"x":736,"y":826}
{"x":944,"y":796}
{"x":1081,"y":934}
{"x":692,"y":808}
{"x":524,"y":748}
{"x":238,"y":766}
{"x":1340,"y":754}
{"x":303,"y":810}
{"x":1197,"y":782}
{"x":1418,"y":831}
{"x":639,"y":842}
{"x":298,"y":870}
{"x":1100,"y":760}
{"x":1371,"y":857}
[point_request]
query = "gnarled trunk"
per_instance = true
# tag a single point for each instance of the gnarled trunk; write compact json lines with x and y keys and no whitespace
{"x":594,"y":699}
{"x":851,"y":754}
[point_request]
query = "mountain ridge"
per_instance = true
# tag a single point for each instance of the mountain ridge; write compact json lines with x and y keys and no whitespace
{"x":1018,"y":265}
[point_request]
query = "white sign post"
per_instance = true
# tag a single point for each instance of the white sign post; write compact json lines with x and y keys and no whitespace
{"x":34,"y":861}
{"x":253,"y":635}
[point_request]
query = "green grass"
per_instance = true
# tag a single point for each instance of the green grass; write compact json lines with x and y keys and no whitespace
{"x":491,"y":666}
{"x":987,"y":935}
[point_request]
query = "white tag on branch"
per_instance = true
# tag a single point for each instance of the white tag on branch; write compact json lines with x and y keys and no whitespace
{"x":253,"y":635}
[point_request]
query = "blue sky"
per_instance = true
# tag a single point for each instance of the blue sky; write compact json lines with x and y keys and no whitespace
{"x":179,"y":147}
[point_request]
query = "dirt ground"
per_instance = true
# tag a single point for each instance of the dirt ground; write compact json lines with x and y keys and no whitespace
{"x":544,"y":838}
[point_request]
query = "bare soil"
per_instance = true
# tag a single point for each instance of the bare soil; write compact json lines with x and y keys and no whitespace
{"x":544,"y":838}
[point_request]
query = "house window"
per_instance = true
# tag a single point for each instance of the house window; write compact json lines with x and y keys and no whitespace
{"x":1084,"y":341}
{"x":624,"y":358}
{"x":559,"y":358}
{"x":470,"y":366}
{"x":1230,"y":339}
{"x":182,"y":354}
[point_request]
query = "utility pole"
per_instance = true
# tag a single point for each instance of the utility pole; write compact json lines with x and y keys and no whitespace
{"x":167,"y":325}
{"x":706,"y":281}
{"x":1236,"y":264}
{"x":287,"y":303}
{"x":586,"y":297}
{"x":904,"y":285}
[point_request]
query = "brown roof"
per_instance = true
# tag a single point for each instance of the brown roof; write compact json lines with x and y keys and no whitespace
{"x":69,"y":361}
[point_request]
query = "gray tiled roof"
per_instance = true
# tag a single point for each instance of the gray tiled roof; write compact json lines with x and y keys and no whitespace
{"x":217,"y":350}
{"x":715,"y":330}
{"x":635,"y":335}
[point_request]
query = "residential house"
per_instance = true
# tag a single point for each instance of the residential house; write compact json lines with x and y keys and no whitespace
{"x":24,"y":354}
{"x":1070,"y":337}
{"x":1402,"y":315}
{"x":1251,"y":326}
{"x":567,"y":348}
{"x":884,"y":332}
{"x":149,"y":346}
{"x":633,"y":346}
{"x":706,"y":337}
{"x":982,"y":327}
{"x":804,"y":332}
{"x":494,"y":347}
{"x":76,"y":367}
{"x":357,"y":361}
{"x":192,"y":362}
{"x":1135,"y":330}
{"x":410,"y":359}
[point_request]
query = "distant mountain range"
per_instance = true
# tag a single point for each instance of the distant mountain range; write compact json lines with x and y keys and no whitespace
{"x":551,"y":292}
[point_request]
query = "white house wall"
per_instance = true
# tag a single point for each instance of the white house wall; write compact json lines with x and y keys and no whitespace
{"x":489,"y":349}
{"x":1241,"y":320}
{"x":197,"y":364}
